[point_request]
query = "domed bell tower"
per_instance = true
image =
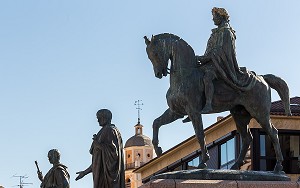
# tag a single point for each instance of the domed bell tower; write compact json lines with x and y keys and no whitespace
{"x":138,"y":151}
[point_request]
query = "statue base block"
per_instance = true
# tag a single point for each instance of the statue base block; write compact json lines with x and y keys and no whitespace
{"x":222,"y":174}
{"x":178,"y":183}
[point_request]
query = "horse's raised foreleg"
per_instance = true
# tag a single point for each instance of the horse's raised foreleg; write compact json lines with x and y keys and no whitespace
{"x":167,"y":117}
{"x":242,"y":119}
{"x":199,"y":132}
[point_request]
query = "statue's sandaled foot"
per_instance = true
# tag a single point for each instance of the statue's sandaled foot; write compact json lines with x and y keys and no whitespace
{"x":187,"y":119}
{"x":207,"y":108}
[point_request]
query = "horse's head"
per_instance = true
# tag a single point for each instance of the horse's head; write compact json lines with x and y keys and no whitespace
{"x":159,"y":55}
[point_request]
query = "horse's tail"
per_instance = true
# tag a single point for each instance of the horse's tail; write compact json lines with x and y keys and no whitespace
{"x":282,"y":89}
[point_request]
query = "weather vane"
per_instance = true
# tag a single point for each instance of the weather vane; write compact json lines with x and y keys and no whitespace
{"x":138,"y":104}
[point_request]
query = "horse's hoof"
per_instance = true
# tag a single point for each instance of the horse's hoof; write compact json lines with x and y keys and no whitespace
{"x":205,"y":157}
{"x":158,"y":151}
{"x":280,"y":172}
{"x":202,"y":166}
{"x":235,"y":167}
{"x":278,"y":169}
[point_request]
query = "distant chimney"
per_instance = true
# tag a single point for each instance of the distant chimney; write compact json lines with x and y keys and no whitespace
{"x":219,"y":118}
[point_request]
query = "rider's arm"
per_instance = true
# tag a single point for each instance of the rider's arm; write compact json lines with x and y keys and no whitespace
{"x":202,"y":59}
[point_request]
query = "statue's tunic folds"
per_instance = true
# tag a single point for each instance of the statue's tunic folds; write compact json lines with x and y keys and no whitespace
{"x":107,"y":157}
{"x":221,"y":49}
{"x":57,"y":176}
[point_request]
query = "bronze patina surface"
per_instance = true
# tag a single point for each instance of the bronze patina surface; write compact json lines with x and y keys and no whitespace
{"x":214,"y":83}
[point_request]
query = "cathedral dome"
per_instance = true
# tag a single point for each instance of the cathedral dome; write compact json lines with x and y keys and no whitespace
{"x":138,"y":139}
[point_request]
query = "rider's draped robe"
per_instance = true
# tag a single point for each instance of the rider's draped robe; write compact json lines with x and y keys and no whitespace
{"x":221,"y":49}
{"x":107,"y":159}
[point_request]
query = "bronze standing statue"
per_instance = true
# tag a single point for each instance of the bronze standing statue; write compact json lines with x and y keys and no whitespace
{"x":107,"y":155}
{"x":217,"y":85}
{"x":58,"y":175}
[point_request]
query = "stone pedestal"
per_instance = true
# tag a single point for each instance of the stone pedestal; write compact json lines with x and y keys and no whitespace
{"x":223,"y":174}
{"x":178,"y":183}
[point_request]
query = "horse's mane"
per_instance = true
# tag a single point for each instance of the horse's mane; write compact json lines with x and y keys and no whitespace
{"x":174,"y":37}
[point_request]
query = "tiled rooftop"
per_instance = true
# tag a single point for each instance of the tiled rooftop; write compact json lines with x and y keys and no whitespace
{"x":278,"y":109}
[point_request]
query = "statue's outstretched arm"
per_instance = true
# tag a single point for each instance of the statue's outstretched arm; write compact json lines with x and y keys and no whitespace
{"x":83,"y":173}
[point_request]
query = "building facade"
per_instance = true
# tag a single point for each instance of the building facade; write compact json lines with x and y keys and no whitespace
{"x":224,"y":145}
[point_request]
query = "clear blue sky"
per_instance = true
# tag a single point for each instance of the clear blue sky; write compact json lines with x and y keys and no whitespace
{"x":62,"y":60}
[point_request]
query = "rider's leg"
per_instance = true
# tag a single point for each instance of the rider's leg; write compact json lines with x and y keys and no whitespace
{"x":209,"y":91}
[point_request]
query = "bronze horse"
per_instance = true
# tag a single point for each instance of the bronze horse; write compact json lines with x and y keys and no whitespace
{"x":186,"y":96}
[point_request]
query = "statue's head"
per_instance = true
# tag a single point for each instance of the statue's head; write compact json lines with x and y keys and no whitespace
{"x":159,"y":53}
{"x":104,"y":117}
{"x":54,"y":156}
{"x":220,"y":15}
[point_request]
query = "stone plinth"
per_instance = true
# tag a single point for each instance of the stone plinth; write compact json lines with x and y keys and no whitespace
{"x":222,"y":174}
{"x":177,"y":183}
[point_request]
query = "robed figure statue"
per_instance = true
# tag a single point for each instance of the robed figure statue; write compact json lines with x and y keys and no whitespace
{"x":58,"y":176}
{"x":107,"y":155}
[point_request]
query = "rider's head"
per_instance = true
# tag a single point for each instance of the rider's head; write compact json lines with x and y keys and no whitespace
{"x":220,"y":15}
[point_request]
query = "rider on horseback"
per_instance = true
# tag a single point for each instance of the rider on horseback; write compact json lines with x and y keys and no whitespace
{"x":220,"y":61}
{"x":235,"y":89}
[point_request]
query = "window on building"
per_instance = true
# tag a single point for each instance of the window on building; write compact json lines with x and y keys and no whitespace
{"x":186,"y":165}
{"x":227,"y":154}
{"x":213,"y":162}
{"x":262,"y":145}
{"x":128,"y":183}
{"x":290,"y":146}
{"x":194,"y":163}
{"x":181,"y":166}
{"x":267,"y":153}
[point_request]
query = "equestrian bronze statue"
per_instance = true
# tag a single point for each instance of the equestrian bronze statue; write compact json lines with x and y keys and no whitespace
{"x":214,"y":83}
